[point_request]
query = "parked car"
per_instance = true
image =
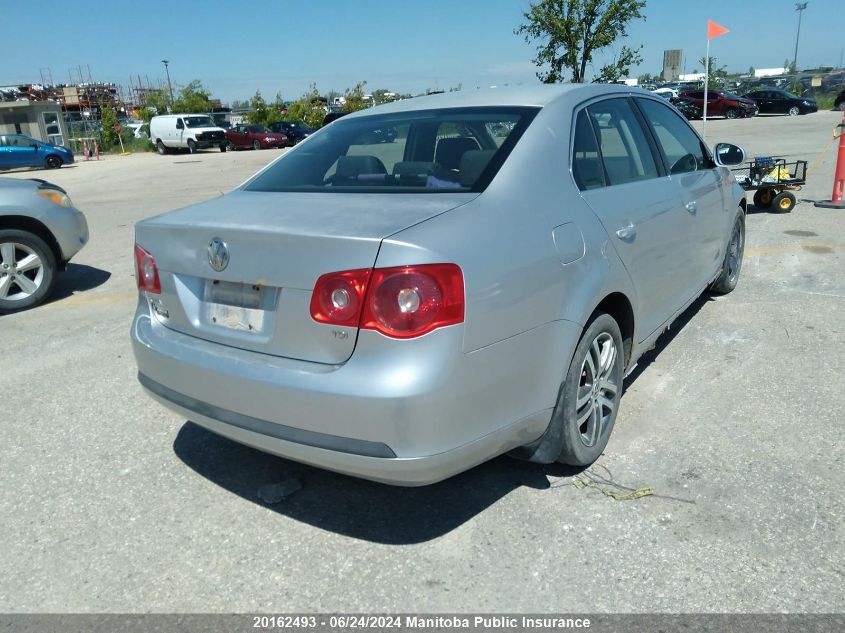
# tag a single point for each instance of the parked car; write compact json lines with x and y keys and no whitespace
{"x":254,"y":137}
{"x":722,"y":103}
{"x":405,"y":311}
{"x":687,"y":107}
{"x":296,"y":131}
{"x":666,"y":93}
{"x":193,"y":132}
{"x":40,"y":231}
{"x":839,"y":102}
{"x":781,"y":102}
{"x":17,"y":150}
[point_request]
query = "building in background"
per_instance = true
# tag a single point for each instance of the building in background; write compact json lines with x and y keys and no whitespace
{"x":673,"y":64}
{"x":41,"y":120}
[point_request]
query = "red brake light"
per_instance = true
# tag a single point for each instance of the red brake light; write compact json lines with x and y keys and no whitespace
{"x":146,"y":271}
{"x":338,"y":297}
{"x":402,"y":302}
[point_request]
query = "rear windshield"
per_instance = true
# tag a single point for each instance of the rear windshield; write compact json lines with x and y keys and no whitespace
{"x":427,"y":151}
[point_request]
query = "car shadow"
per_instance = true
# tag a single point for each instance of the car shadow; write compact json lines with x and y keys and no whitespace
{"x":666,"y":338}
{"x":77,"y":278}
{"x":354,"y":507}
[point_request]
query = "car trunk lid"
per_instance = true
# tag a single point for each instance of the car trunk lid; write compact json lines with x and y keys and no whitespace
{"x":278,"y":244}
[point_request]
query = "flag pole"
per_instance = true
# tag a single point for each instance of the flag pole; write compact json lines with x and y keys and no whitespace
{"x":706,"y":85}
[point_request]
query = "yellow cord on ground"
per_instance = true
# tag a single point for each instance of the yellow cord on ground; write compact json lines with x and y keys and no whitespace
{"x":618,"y":496}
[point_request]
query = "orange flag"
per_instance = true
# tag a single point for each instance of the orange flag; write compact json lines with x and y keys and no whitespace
{"x":715,"y":30}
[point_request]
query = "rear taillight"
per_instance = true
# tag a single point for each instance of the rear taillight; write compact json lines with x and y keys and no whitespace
{"x":401,"y":302}
{"x":338,"y":297}
{"x":146,"y":271}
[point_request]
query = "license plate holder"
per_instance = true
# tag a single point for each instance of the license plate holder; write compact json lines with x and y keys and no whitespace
{"x":235,"y":306}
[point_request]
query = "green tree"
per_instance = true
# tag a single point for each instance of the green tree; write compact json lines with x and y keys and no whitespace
{"x":570,"y":32}
{"x":260,"y":111}
{"x":193,"y":98}
{"x":155,"y":102}
{"x":715,"y":74}
{"x":619,"y":68}
{"x":308,"y":108}
{"x":108,"y":118}
{"x":355,"y":98}
{"x":239,"y":105}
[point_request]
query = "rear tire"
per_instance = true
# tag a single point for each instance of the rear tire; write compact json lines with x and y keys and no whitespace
{"x":160,"y":148}
{"x":22,"y":289}
{"x":731,"y":113}
{"x":52,"y":162}
{"x":732,"y":264}
{"x":763,"y":198}
{"x":784,"y":202}
{"x":589,"y":396}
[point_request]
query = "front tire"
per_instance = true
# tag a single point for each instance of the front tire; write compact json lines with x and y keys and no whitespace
{"x":784,"y":202}
{"x":732,"y":264}
{"x":52,"y":162}
{"x":27,"y":270}
{"x":256,"y":145}
{"x":731,"y":113}
{"x":794,"y":111}
{"x":192,"y":146}
{"x":589,"y":396}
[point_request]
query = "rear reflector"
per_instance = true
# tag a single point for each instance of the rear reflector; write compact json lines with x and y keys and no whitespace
{"x":401,"y":302}
{"x":146,"y":271}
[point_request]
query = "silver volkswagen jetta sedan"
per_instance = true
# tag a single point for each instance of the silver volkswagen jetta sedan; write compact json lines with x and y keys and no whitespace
{"x":420,"y":287}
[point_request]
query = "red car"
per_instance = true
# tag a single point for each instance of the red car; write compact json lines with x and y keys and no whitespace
{"x":254,"y":136}
{"x":722,"y":103}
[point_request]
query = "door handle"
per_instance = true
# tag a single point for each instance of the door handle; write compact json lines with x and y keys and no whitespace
{"x":627,"y":233}
{"x":691,"y":207}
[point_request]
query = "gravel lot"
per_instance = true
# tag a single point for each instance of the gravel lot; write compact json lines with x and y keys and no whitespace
{"x":111,"y":503}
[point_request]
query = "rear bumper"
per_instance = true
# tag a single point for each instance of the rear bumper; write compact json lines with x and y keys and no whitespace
{"x":408,"y":413}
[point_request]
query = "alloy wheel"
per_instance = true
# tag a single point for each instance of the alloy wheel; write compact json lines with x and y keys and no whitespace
{"x":794,"y":111}
{"x":596,"y":395}
{"x":21,"y":271}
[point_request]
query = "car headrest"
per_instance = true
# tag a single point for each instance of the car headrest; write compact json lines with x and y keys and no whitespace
{"x":449,"y":151}
{"x":473,"y":163}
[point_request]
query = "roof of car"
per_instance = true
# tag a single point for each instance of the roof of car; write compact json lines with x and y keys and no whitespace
{"x":536,"y":95}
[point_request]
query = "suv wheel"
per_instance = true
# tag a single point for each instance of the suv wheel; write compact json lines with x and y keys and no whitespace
{"x":192,"y":146}
{"x":256,"y":145}
{"x":731,"y":113}
{"x":794,"y":111}
{"x":27,"y":270}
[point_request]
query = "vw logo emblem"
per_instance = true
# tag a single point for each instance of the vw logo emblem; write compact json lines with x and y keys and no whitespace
{"x":218,"y":254}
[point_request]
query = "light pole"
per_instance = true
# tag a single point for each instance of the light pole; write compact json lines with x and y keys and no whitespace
{"x":170,"y":86}
{"x":799,"y":6}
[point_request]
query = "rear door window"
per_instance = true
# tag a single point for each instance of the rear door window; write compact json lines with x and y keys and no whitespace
{"x":586,"y":161}
{"x":626,"y":154}
{"x":682,"y":150}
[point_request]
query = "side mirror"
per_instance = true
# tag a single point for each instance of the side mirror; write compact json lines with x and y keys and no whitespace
{"x":728,"y":154}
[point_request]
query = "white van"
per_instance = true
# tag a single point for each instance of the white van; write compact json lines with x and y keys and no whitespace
{"x":186,"y":131}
